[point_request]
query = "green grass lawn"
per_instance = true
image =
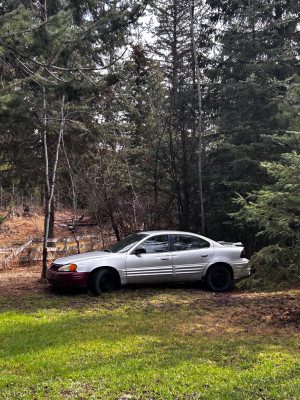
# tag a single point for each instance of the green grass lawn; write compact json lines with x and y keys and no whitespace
{"x":150,"y":343}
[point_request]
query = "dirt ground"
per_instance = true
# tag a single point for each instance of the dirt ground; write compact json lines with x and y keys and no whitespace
{"x":21,"y":281}
{"x":18,"y":227}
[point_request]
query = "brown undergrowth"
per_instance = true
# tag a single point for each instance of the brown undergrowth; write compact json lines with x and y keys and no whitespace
{"x":17,"y":228}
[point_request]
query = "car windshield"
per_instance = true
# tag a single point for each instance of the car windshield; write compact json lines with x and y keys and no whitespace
{"x":126,"y":244}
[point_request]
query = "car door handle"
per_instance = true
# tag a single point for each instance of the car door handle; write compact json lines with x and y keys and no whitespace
{"x":204,"y":255}
{"x":165,"y":258}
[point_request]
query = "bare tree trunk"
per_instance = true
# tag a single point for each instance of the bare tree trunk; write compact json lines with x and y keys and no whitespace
{"x":74,"y":198}
{"x":47,"y":186}
{"x":200,"y":184}
{"x":50,"y":185}
{"x":136,"y":203}
{"x":51,"y":220}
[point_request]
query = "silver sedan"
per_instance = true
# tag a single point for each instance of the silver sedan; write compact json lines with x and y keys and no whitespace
{"x":153,"y":257}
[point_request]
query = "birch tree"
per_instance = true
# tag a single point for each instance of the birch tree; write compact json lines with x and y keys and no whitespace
{"x":50,"y":174}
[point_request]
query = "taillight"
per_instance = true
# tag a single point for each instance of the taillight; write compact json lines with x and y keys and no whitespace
{"x":243,"y":254}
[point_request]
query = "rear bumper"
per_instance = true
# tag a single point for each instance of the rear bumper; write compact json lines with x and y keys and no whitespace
{"x":242,"y":270}
{"x":67,"y":279}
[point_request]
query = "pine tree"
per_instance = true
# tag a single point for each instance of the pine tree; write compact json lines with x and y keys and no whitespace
{"x":175,"y":48}
{"x":254,"y":69}
{"x":274,"y":209}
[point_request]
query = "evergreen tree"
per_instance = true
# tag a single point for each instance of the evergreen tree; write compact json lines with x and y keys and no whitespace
{"x":254,"y":69}
{"x":275,"y":211}
{"x":143,"y":103}
{"x":175,"y":48}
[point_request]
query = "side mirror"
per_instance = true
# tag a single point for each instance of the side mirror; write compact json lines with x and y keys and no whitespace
{"x":140,"y":250}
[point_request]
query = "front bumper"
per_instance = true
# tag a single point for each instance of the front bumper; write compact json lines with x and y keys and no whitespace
{"x":67,"y":279}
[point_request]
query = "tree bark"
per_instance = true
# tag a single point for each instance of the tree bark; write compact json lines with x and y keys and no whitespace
{"x":50,"y":184}
{"x":200,"y":184}
{"x":51,"y":220}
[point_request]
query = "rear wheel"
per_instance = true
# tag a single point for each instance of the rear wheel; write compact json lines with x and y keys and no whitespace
{"x":103,"y":281}
{"x":218,"y":279}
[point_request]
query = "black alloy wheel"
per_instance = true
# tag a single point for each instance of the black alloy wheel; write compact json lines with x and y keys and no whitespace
{"x":103,"y":281}
{"x":218,"y":278}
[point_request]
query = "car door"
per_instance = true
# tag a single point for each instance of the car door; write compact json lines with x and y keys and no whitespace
{"x":151,"y":261}
{"x":190,"y":256}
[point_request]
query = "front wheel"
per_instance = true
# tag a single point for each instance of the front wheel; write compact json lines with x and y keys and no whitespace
{"x":103,"y":281}
{"x":218,"y":279}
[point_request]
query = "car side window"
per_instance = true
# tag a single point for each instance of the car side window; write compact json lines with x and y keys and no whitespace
{"x":156,"y":244}
{"x":187,"y":242}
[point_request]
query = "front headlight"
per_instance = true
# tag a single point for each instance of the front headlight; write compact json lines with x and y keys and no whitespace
{"x":68,"y":268}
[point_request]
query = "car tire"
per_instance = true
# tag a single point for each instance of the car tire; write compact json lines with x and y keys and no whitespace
{"x":218,"y":278}
{"x":103,"y":281}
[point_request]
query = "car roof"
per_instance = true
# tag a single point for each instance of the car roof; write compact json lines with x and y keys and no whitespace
{"x":174,"y":232}
{"x":170,"y":232}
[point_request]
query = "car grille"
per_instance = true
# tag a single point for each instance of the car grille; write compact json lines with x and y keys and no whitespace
{"x":54,"y":267}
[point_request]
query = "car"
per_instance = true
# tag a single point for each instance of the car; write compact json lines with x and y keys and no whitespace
{"x":153,"y":257}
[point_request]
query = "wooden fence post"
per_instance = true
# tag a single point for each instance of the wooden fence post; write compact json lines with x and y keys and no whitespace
{"x":65,"y":245}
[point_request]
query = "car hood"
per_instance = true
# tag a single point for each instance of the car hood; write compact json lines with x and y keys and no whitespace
{"x":83,"y":257}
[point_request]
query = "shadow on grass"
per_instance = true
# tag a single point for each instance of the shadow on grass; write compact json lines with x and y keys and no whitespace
{"x":159,"y":287}
{"x":76,"y":299}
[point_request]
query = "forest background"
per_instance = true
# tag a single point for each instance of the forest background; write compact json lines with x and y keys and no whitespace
{"x":157,"y":114}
